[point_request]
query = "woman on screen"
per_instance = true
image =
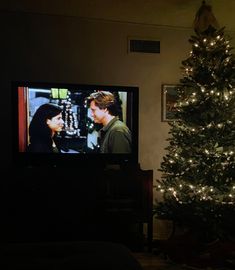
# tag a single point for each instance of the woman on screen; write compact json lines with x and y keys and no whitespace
{"x":45,"y":124}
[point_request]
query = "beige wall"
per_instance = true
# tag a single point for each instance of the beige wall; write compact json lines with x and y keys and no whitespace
{"x":68,"y":49}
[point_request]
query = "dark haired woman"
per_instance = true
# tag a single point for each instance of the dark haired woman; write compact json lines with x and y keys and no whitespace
{"x":46,"y":122}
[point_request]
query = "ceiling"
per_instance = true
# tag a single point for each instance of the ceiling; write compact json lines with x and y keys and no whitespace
{"x":171,"y":13}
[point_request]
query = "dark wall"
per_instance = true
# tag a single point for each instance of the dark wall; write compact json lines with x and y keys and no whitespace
{"x":48,"y":48}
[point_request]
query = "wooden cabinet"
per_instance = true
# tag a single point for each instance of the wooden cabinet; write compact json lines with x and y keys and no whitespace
{"x":71,"y":204}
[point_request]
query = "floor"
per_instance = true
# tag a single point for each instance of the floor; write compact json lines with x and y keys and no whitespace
{"x":151,"y":261}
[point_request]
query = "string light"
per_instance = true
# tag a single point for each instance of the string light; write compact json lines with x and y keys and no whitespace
{"x":202,"y":192}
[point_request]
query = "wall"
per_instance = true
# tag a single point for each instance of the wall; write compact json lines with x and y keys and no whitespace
{"x":68,"y":49}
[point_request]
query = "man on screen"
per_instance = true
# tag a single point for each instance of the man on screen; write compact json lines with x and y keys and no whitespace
{"x":114,"y":136}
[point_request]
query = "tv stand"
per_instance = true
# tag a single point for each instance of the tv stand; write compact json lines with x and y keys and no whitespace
{"x":85,"y":203}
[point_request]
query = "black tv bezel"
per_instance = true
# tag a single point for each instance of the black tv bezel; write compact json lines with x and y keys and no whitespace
{"x":25,"y":159}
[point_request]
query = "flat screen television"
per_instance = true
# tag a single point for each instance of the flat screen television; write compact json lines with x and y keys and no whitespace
{"x":78,"y":140}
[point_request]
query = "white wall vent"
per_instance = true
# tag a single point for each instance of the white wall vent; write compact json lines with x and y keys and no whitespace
{"x":144,"y":46}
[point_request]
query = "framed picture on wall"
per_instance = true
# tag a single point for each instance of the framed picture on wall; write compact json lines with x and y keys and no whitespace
{"x":169,"y":99}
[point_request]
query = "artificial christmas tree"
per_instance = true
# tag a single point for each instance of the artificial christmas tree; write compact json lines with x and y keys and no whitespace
{"x":198,"y":171}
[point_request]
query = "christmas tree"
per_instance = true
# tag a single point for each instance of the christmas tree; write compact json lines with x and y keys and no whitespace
{"x":198,"y":170}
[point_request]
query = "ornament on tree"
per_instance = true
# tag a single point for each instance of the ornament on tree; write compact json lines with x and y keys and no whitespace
{"x":205,"y":20}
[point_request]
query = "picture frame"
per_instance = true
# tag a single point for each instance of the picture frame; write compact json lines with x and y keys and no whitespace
{"x":169,"y":99}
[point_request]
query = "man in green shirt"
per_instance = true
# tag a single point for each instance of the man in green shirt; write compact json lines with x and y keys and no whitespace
{"x":115,"y":136}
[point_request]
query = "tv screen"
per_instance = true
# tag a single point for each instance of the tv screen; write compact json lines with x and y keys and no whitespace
{"x":69,"y":124}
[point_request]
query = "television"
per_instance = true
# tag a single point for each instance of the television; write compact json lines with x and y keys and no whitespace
{"x":78,"y":140}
